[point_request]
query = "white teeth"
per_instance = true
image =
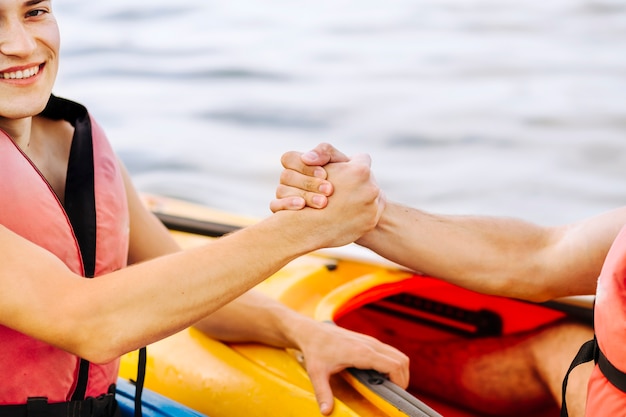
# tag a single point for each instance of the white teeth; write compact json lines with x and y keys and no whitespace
{"x":18,"y":75}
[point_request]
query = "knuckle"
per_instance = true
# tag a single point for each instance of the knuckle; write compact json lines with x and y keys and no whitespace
{"x":325,"y":146}
{"x":287,"y":158}
{"x":286,"y":176}
{"x":311,"y":184}
{"x":281,"y":191}
{"x":362,"y":171}
{"x":309,"y":170}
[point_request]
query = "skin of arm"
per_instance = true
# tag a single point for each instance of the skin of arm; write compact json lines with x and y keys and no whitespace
{"x":150,"y":300}
{"x":102,"y":318}
{"x":493,"y":255}
{"x":327,"y":349}
{"x":500,"y":256}
{"x":166,"y":290}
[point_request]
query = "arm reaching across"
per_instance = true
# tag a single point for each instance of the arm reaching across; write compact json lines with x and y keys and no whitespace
{"x":500,"y":256}
{"x":254,"y":317}
{"x":492,"y":255}
{"x":150,"y":300}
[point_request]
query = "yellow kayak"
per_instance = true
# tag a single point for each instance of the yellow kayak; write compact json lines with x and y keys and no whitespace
{"x":350,"y":289}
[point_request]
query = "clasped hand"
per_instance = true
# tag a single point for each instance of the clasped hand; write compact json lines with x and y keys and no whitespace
{"x":315,"y":178}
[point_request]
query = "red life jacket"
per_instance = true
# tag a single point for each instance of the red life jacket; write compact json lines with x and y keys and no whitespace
{"x":89,"y":234}
{"x":604,"y":398}
{"x":606,"y":391}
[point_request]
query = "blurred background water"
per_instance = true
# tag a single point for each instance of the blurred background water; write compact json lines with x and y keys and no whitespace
{"x":505,"y":107}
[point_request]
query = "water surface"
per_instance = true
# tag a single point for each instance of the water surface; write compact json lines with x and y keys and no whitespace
{"x":498,"y":107}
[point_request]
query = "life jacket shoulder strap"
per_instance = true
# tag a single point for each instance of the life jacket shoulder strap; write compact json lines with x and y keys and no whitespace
{"x":614,"y":375}
{"x":587,"y":352}
{"x":591,"y":351}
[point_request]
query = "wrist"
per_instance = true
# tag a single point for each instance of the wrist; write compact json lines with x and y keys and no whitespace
{"x":298,"y":329}
{"x":369,"y":239}
{"x":297,"y":229}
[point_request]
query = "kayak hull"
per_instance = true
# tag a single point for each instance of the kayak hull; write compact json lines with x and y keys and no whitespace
{"x":152,"y":404}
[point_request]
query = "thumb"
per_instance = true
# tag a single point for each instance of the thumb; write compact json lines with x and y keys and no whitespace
{"x":323,"y":392}
{"x":323,"y":154}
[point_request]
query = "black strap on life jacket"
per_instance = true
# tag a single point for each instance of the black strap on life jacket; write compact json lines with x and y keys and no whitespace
{"x":102,"y":406}
{"x":141,"y":374}
{"x":80,"y":206}
{"x":80,"y":198}
{"x":590,"y":351}
{"x":587,"y":352}
{"x":614,"y":375}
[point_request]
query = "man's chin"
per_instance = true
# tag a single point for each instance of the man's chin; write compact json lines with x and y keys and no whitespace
{"x":23,"y":107}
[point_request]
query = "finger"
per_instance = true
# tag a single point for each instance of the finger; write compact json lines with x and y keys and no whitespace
{"x":400,"y":374}
{"x":310,"y":199}
{"x":322,"y":390}
{"x":323,"y":154}
{"x":288,"y":203}
{"x":395,"y":365}
{"x":295,"y":179}
{"x":293,"y":161}
{"x":387,"y":359}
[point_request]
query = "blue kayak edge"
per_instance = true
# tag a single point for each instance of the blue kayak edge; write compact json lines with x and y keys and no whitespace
{"x":153,"y":404}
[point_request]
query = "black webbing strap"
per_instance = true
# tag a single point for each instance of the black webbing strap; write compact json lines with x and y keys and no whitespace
{"x":80,"y":193}
{"x":80,"y":206}
{"x":38,"y":407}
{"x":587,"y":352}
{"x":80,"y":203}
{"x":590,"y":351}
{"x":141,"y":375}
{"x":614,"y":375}
{"x":81,"y":382}
{"x":102,"y":406}
{"x":80,"y":198}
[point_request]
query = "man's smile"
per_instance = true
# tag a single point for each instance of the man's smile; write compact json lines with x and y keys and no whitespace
{"x":21,"y":73}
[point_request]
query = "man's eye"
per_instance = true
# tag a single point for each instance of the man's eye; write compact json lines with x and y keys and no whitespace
{"x":36,"y":13}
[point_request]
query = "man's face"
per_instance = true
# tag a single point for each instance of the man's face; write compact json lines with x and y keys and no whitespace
{"x":29,"y":51}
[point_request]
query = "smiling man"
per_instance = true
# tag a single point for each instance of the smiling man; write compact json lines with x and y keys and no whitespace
{"x":69,"y":212}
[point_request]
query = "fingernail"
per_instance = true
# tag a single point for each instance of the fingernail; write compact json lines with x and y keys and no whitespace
{"x":324,"y":408}
{"x":310,"y":156}
{"x":319,"y":173}
{"x":325,"y":188}
{"x":297,"y":202}
{"x":318,"y":200}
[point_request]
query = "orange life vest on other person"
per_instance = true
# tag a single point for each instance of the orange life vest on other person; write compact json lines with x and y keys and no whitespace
{"x":29,"y":207}
{"x":603,"y":397}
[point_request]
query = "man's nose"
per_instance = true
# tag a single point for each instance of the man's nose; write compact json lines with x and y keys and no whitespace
{"x":16,"y":40}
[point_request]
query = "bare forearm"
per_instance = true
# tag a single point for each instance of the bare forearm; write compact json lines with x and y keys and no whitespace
{"x":148,"y":301}
{"x":253,"y":317}
{"x":102,"y":318}
{"x":205,"y":279}
{"x":493,"y":255}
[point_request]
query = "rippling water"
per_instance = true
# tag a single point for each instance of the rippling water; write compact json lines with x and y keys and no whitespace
{"x":485,"y":106}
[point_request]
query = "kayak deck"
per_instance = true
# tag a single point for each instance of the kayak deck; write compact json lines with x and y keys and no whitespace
{"x":396,"y":306}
